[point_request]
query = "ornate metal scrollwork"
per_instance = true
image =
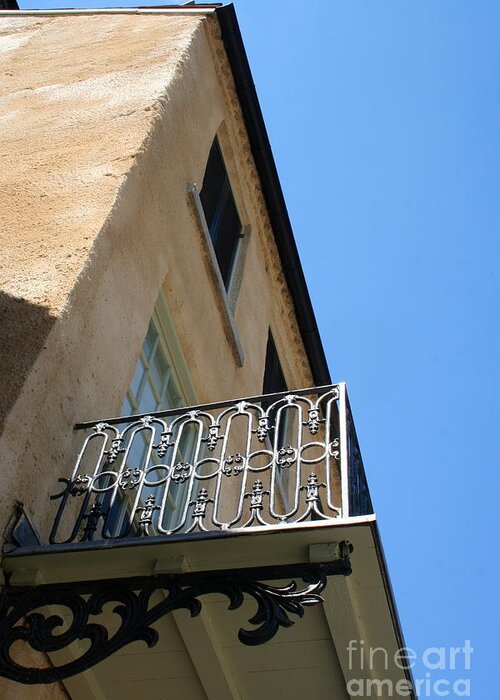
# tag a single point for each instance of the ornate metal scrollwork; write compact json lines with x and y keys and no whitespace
{"x":147,"y":512}
{"x":213,"y":437}
{"x":24,"y":615}
{"x":92,"y":519}
{"x":280,"y":439}
{"x":114,"y":451}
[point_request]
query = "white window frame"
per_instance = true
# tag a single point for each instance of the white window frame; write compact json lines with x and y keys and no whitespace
{"x":177,"y":367}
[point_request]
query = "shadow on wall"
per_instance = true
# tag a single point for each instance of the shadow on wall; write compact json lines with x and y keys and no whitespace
{"x":24,"y":328}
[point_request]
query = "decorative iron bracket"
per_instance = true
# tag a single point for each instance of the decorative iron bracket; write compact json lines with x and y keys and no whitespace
{"x":24,"y":615}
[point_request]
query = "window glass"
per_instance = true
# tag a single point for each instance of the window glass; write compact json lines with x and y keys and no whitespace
{"x":274,"y":383}
{"x":137,"y":450}
{"x":155,"y":386}
{"x":127,"y":409}
{"x":214,"y":180}
{"x":172,"y":396}
{"x":220,"y":211}
{"x":135,"y":384}
{"x":148,"y":400}
{"x":160,"y":370}
{"x":274,"y":379}
{"x":227,"y":235}
{"x":150,"y":340}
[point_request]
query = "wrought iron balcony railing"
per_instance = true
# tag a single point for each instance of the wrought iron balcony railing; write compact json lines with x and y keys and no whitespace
{"x":254,"y":465}
{"x":263,"y":461}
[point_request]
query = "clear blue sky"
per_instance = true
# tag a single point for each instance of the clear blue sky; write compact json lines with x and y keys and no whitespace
{"x":384,"y":119}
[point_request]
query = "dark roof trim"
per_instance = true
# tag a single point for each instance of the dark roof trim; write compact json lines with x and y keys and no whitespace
{"x":273,"y":194}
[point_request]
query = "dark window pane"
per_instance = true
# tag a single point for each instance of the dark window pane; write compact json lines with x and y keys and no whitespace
{"x":213,"y":184}
{"x":220,"y":212}
{"x":274,"y":382}
{"x":227,"y":236}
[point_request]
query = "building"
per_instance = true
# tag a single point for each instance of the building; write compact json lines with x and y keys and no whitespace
{"x":149,"y":265}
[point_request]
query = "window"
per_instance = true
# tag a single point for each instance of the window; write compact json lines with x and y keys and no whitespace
{"x":220,"y":211}
{"x":160,"y":382}
{"x":274,"y":382}
{"x":154,"y":386}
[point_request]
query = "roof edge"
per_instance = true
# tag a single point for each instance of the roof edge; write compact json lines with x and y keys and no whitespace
{"x":9,"y":7}
{"x":273,"y":194}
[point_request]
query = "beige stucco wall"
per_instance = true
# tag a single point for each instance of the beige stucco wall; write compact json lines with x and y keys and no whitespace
{"x":106,"y":120}
{"x":76,"y":102}
{"x":111,"y":118}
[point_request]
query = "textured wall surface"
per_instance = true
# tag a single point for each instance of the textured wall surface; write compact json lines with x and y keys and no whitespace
{"x":76,"y":100}
{"x":105,"y":121}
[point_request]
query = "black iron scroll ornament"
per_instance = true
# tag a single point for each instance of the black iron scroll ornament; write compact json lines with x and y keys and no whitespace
{"x":24,"y":615}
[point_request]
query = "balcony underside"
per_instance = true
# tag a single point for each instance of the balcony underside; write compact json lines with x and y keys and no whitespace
{"x":202,"y":657}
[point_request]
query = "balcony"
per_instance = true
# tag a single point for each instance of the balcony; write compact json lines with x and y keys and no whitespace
{"x":263,"y":499}
{"x":258,"y":462}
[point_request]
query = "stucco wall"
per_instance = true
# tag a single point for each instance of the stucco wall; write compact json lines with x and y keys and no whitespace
{"x":106,"y":120}
{"x":76,"y":100}
{"x":109,"y":131}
